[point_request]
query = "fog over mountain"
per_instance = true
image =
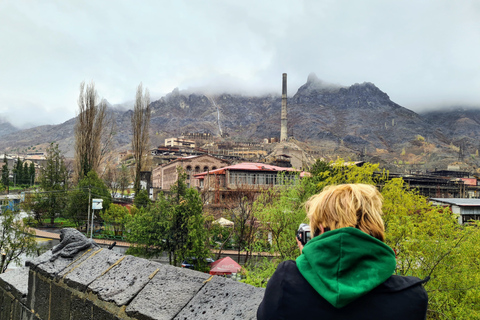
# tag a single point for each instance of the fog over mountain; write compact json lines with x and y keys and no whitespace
{"x":359,"y":121}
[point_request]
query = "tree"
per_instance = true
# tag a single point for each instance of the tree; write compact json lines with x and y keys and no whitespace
{"x":5,"y":173}
{"x":117,"y":216}
{"x":91,"y":186}
{"x":18,"y":172}
{"x":31,"y":173}
{"x":124,"y":179}
{"x":141,"y":199}
{"x":240,"y":202}
{"x":174,"y":224}
{"x":140,"y":127}
{"x":53,"y":181}
{"x":428,"y":240}
{"x":26,"y":175}
{"x":281,"y":211}
{"x":92,"y":138}
{"x":15,"y":240}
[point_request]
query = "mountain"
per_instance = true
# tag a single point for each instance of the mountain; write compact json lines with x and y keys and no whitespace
{"x":357,"y":121}
{"x":6,"y":128}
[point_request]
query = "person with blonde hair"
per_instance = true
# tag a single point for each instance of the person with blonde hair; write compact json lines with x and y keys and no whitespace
{"x":346,"y":270}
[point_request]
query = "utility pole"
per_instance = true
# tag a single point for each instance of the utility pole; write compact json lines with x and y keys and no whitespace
{"x":88,"y":215}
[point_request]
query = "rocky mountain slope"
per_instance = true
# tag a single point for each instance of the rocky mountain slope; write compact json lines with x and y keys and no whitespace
{"x":6,"y":128}
{"x":358,"y":121}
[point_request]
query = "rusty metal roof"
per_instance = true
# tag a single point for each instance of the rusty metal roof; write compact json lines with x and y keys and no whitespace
{"x":245,"y":166}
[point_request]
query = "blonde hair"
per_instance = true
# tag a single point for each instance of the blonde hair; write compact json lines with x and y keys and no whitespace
{"x":347,"y":205}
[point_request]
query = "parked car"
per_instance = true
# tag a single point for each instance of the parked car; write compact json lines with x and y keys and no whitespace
{"x":190,"y":262}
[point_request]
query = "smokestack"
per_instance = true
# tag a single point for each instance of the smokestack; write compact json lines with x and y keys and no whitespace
{"x":283,"y":127}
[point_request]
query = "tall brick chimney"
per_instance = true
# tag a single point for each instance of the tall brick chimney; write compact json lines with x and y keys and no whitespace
{"x":283,"y":127}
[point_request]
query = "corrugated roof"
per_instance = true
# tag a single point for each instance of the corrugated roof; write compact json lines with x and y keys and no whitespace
{"x":246,"y":166}
{"x":461,"y":202}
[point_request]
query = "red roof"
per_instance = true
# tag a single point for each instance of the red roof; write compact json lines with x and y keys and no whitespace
{"x":245,"y":166}
{"x":224,"y":266}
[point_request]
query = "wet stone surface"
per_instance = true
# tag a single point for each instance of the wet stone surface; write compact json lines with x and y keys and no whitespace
{"x":167,"y":293}
{"x":90,"y":269}
{"x":122,"y":283}
{"x":16,"y":282}
{"x":224,"y":299}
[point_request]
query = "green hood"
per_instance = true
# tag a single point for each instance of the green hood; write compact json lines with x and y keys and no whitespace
{"x":344,"y":264}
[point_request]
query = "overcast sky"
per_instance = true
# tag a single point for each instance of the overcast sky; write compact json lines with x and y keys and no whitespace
{"x":421,"y":53}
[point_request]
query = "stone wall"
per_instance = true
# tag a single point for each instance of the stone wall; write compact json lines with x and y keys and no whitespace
{"x":94,"y":283}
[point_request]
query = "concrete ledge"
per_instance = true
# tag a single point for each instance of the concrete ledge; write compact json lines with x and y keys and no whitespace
{"x":99,"y":284}
{"x":223,"y":298}
{"x":168,"y":292}
{"x":123,"y":282}
{"x":16,"y":282}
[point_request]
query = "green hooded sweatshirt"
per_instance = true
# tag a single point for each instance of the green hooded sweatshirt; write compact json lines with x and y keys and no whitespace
{"x":344,"y":264}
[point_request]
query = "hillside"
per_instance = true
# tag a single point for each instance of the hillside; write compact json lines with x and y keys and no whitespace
{"x":357,"y":121}
{"x":6,"y":128}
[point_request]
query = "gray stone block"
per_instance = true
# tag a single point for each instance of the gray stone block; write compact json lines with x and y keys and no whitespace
{"x":90,"y":269}
{"x":167,"y":293}
{"x":101,"y":314}
{"x":43,"y":265}
{"x":26,"y":314}
{"x":122,"y":283}
{"x":78,"y":260}
{"x":41,"y":303}
{"x":16,"y":309}
{"x":60,"y":303}
{"x":80,"y":309}
{"x":6,"y":307}
{"x":2,"y":294}
{"x":31,"y":289}
{"x":223,"y":298}
{"x":16,"y":282}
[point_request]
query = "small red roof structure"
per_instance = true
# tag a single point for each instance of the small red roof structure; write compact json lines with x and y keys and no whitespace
{"x":224,"y":266}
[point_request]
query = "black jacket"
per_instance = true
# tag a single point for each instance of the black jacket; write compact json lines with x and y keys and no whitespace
{"x":290,"y":296}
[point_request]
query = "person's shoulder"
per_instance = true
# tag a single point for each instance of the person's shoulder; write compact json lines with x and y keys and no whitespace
{"x":287,"y":264}
{"x":399,"y":283}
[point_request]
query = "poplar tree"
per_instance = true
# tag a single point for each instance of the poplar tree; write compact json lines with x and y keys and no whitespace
{"x":5,"y":173}
{"x":140,"y":127}
{"x":89,"y":129}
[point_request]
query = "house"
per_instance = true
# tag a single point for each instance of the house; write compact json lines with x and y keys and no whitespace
{"x":164,"y":176}
{"x":244,"y":174}
{"x":10,"y":202}
{"x":229,"y":187}
{"x":173,"y":142}
{"x":467,"y":209}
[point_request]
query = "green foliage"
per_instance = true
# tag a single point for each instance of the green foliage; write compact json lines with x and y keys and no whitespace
{"x":174,"y":224}
{"x":429,"y":242}
{"x":5,"y":173}
{"x":258,"y":273}
{"x":14,"y":239}
{"x":219,"y":237}
{"x":124,"y":178}
{"x":53,"y":181}
{"x":116,"y":216}
{"x":319,"y":167}
{"x":77,"y":207}
{"x":141,"y":199}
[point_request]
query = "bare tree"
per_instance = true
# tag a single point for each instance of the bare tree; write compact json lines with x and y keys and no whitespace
{"x":92,"y":137}
{"x":140,"y":127}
